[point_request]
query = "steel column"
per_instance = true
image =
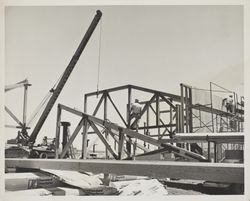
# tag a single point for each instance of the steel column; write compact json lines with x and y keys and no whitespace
{"x":58,"y":126}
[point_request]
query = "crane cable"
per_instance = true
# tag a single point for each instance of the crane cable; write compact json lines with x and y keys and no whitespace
{"x":38,"y":109}
{"x":99,"y":59}
{"x":42,"y":103}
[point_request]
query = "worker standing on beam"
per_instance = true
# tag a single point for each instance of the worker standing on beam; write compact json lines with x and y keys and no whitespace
{"x":229,"y":104}
{"x":135,"y":112}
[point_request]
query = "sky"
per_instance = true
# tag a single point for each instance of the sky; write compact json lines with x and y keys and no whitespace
{"x":155,"y":47}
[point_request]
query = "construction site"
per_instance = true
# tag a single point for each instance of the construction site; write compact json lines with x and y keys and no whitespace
{"x":134,"y":141}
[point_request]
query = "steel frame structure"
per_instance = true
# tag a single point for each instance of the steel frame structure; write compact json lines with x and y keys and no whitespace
{"x":118,"y":133}
{"x":152,"y":105}
{"x":180,"y":120}
{"x":22,"y":135}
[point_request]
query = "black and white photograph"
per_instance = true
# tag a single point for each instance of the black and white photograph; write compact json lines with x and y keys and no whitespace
{"x":124,"y":100}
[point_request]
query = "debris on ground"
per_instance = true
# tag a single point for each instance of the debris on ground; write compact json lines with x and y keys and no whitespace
{"x":89,"y":183}
{"x":140,"y":187}
{"x":47,"y":192}
{"x":29,"y":180}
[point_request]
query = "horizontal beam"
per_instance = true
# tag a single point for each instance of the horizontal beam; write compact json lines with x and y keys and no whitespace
{"x":173,"y":96}
{"x":154,"y":127}
{"x":107,"y":90}
{"x":216,"y":172}
{"x":204,"y":108}
{"x":218,"y":138}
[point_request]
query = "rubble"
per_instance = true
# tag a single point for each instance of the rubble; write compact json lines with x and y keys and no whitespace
{"x":140,"y":187}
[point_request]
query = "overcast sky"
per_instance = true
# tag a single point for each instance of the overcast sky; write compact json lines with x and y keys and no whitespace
{"x":156,"y":47}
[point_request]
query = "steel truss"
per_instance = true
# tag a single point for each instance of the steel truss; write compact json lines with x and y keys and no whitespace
{"x":177,"y":118}
{"x":120,"y":134}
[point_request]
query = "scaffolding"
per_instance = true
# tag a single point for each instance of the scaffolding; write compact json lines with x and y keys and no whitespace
{"x":209,"y":113}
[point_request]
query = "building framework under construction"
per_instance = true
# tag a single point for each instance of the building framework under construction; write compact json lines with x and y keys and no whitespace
{"x":163,"y":117}
{"x":169,"y":128}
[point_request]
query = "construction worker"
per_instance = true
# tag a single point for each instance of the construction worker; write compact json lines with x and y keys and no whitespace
{"x":231,"y":104}
{"x":228,"y":103}
{"x":45,"y":141}
{"x":135,"y":111}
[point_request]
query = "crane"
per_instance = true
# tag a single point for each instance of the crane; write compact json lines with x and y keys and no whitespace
{"x":64,"y":78}
{"x":30,"y":140}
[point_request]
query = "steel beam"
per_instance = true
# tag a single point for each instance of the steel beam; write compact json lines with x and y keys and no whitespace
{"x":174,"y":97}
{"x":216,"y":172}
{"x":85,"y":139}
{"x":116,"y":109}
{"x":168,"y":102}
{"x":13,"y":116}
{"x":108,"y":90}
{"x":204,"y":108}
{"x":116,"y":138}
{"x":103,"y":139}
{"x":144,"y":109}
{"x":160,"y":126}
{"x":58,"y":126}
{"x":72,"y":138}
{"x":218,"y":138}
{"x":130,"y":133}
{"x":129,"y":142}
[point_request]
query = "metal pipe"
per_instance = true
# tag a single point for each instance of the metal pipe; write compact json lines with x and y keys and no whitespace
{"x":129,"y":142}
{"x":182,"y":110}
{"x":211,"y":99}
{"x":105,"y":116}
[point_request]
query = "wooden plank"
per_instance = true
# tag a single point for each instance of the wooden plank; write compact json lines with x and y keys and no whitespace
{"x":216,"y":172}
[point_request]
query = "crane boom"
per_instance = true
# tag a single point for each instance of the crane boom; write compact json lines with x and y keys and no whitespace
{"x":65,"y":76}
